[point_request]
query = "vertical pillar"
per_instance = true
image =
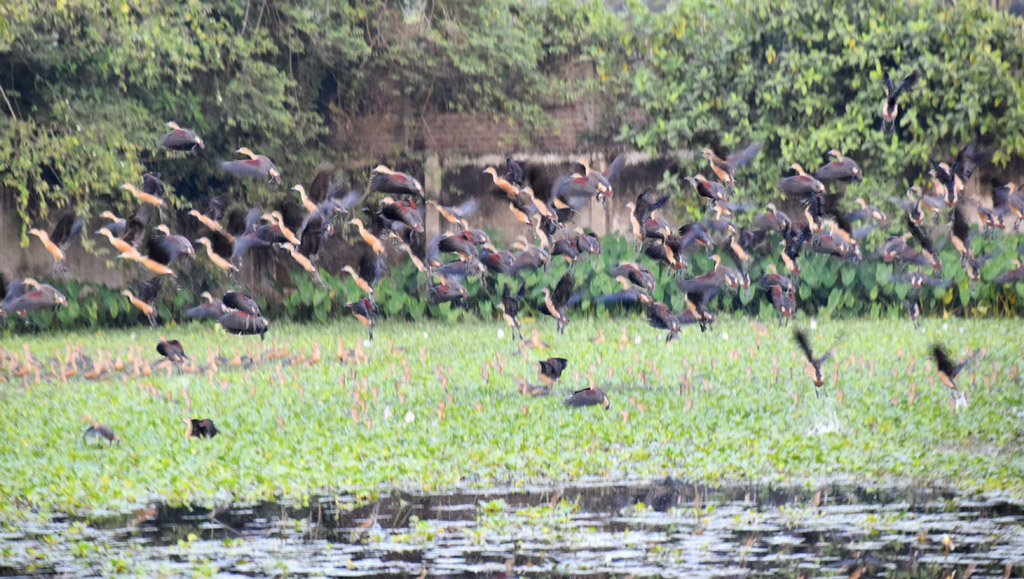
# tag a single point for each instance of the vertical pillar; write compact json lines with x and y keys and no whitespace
{"x":432,"y":190}
{"x":598,"y":218}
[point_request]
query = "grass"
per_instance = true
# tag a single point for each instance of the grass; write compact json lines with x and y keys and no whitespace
{"x":436,"y":407}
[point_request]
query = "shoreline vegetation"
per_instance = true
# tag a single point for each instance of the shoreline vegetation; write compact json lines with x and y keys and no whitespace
{"x":428,"y":407}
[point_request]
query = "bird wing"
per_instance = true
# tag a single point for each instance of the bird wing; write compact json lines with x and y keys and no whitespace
{"x":805,"y":345}
{"x":563,"y":290}
{"x":149,"y":289}
{"x":744,"y":155}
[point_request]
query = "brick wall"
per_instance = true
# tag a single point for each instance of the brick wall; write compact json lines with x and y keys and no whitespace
{"x":455,"y":133}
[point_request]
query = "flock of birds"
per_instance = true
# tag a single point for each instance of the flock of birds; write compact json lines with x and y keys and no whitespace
{"x":297,"y":229}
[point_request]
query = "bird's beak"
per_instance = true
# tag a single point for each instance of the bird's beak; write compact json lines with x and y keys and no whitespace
{"x":607,"y":403}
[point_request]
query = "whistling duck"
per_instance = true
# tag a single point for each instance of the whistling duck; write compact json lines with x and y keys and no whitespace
{"x":360,"y":282}
{"x":661,"y":318}
{"x":636,"y":274}
{"x":890,"y":104}
{"x":710,"y":190}
{"x":774,"y":219}
{"x":783,"y":302}
{"x":506,"y":186}
{"x":805,"y":347}
{"x":509,"y":306}
{"x":566,"y":249}
{"x":696,"y":307}
{"x":448,"y":290}
{"x":461,"y":269}
{"x":627,"y":295}
{"x":211,"y":310}
{"x":771,"y":278}
{"x":306,"y":202}
{"x":497,"y":260}
{"x":370,"y":239}
{"x":384,"y":180}
{"x":837,"y":242}
{"x":725,"y":169}
{"x":927,"y":247}
{"x":119,"y":244}
{"x":97,"y":431}
{"x":961,"y":234}
{"x":217,"y":259}
{"x":254,"y":166}
{"x":276,"y":231}
{"x":587,"y":242}
{"x":1013,"y":276}
{"x":172,"y":350}
{"x":948,"y":370}
{"x":209,"y":223}
{"x":365,"y":311}
{"x":952,"y":177}
{"x":242,"y":302}
{"x":149,"y":264}
{"x":144,"y":196}
{"x":588,"y":397}
{"x":457,"y":214}
{"x":461,"y":243}
{"x":917,"y":279}
{"x":514,"y":172}
{"x":180,"y":139}
{"x":839,"y":169}
{"x":59,"y":240}
{"x":201,"y":428}
{"x":551,"y":370}
{"x":664,"y":254}
{"x":865,"y":212}
{"x":555,"y":302}
{"x":148,"y":291}
{"x":800,"y":184}
{"x":167,"y":248}
{"x":244,"y":324}
{"x":28,"y":295}
{"x":304,"y":263}
{"x":116,"y":225}
{"x":602,"y":181}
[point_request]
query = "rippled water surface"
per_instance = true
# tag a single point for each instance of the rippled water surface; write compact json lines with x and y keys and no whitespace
{"x":664,"y":529}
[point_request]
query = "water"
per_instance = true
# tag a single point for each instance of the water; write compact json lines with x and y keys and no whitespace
{"x":596,"y":530}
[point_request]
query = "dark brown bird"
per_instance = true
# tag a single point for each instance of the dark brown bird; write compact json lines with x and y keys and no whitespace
{"x":947,"y":368}
{"x":254,"y":166}
{"x":172,"y":350}
{"x":180,"y":139}
{"x":725,"y":169}
{"x":800,"y":184}
{"x":805,"y":347}
{"x":636,"y":274}
{"x":710,"y":190}
{"x":509,"y":307}
{"x":555,"y":303}
{"x":211,"y":310}
{"x":244,"y":324}
{"x":448,"y":290}
{"x":588,"y":397}
{"x":201,"y":428}
{"x":551,"y":370}
{"x":98,"y":431}
{"x":384,"y":180}
{"x":890,"y":105}
{"x":365,"y":311}
{"x":661,"y":318}
{"x":1013,"y":276}
{"x":242,"y":302}
{"x":839,"y":169}
{"x":927,"y":247}
{"x":59,"y":239}
{"x":28,"y":295}
{"x":783,"y":302}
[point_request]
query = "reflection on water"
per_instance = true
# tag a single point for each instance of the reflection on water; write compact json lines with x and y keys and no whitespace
{"x":664,"y":529}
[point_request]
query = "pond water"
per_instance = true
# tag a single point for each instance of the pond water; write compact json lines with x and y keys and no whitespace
{"x":668,"y":528}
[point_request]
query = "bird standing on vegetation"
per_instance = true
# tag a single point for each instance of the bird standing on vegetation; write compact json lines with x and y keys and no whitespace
{"x":97,"y":431}
{"x":588,"y":397}
{"x":551,"y":370}
{"x":201,"y":428}
{"x":555,"y":302}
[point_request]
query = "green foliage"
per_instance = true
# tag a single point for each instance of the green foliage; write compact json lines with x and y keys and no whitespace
{"x":308,"y":429}
{"x":806,"y":76}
